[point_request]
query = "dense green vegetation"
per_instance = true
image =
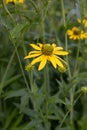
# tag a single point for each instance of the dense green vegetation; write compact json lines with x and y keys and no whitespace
{"x":50,"y":99}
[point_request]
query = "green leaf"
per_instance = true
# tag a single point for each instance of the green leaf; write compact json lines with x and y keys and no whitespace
{"x":15,"y":93}
{"x":32,"y":124}
{"x":24,"y":101}
{"x":18,"y":29}
{"x":17,"y":121}
{"x":55,"y":99}
{"x":29,"y":112}
{"x":10,"y":117}
{"x":9,"y":81}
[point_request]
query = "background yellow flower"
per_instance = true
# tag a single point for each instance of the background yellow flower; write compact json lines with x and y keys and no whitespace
{"x":14,"y":1}
{"x":85,"y":21}
{"x":76,"y":33}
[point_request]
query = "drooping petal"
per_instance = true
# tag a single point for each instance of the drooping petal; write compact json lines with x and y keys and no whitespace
{"x":42,"y":63}
{"x":64,"y":62}
{"x":52,"y":60}
{"x":58,"y":62}
{"x":35,"y":47}
{"x":32,"y":55}
{"x":36,"y":60}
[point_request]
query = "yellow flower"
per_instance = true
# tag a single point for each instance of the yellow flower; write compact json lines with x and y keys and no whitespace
{"x":84,"y":89}
{"x":85,"y":21}
{"x":76,"y":33}
{"x":79,"y":20}
{"x":47,"y":52}
{"x":15,"y":1}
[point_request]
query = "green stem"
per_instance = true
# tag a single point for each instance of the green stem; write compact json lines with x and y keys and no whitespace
{"x":30,"y":75}
{"x":77,"y":55}
{"x":20,"y":64}
{"x":83,"y":8}
{"x":46,"y":91}
{"x":34,"y":5}
{"x":73,"y":88}
{"x":46,"y":81}
{"x":46,"y":73}
{"x":31,"y":80}
{"x":67,"y":59}
{"x":7,"y":11}
{"x":66,"y":41}
{"x":43,"y":16}
{"x":70,"y":109}
{"x":6,"y":71}
{"x":63,"y":13}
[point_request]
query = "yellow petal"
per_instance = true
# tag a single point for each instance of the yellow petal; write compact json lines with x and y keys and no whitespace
{"x":64,"y":62}
{"x":35,"y":47}
{"x":58,"y":48}
{"x":69,"y":32}
{"x":42,"y":63}
{"x":31,"y":56}
{"x":58,"y":62}
{"x":61,"y":52}
{"x":36,"y":60}
{"x":79,"y":20}
{"x":84,"y":21}
{"x":40,"y":45}
{"x":35,"y":52}
{"x":53,"y":45}
{"x":52,"y":60}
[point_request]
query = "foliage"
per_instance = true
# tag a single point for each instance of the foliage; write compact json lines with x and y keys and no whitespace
{"x":48,"y":99}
